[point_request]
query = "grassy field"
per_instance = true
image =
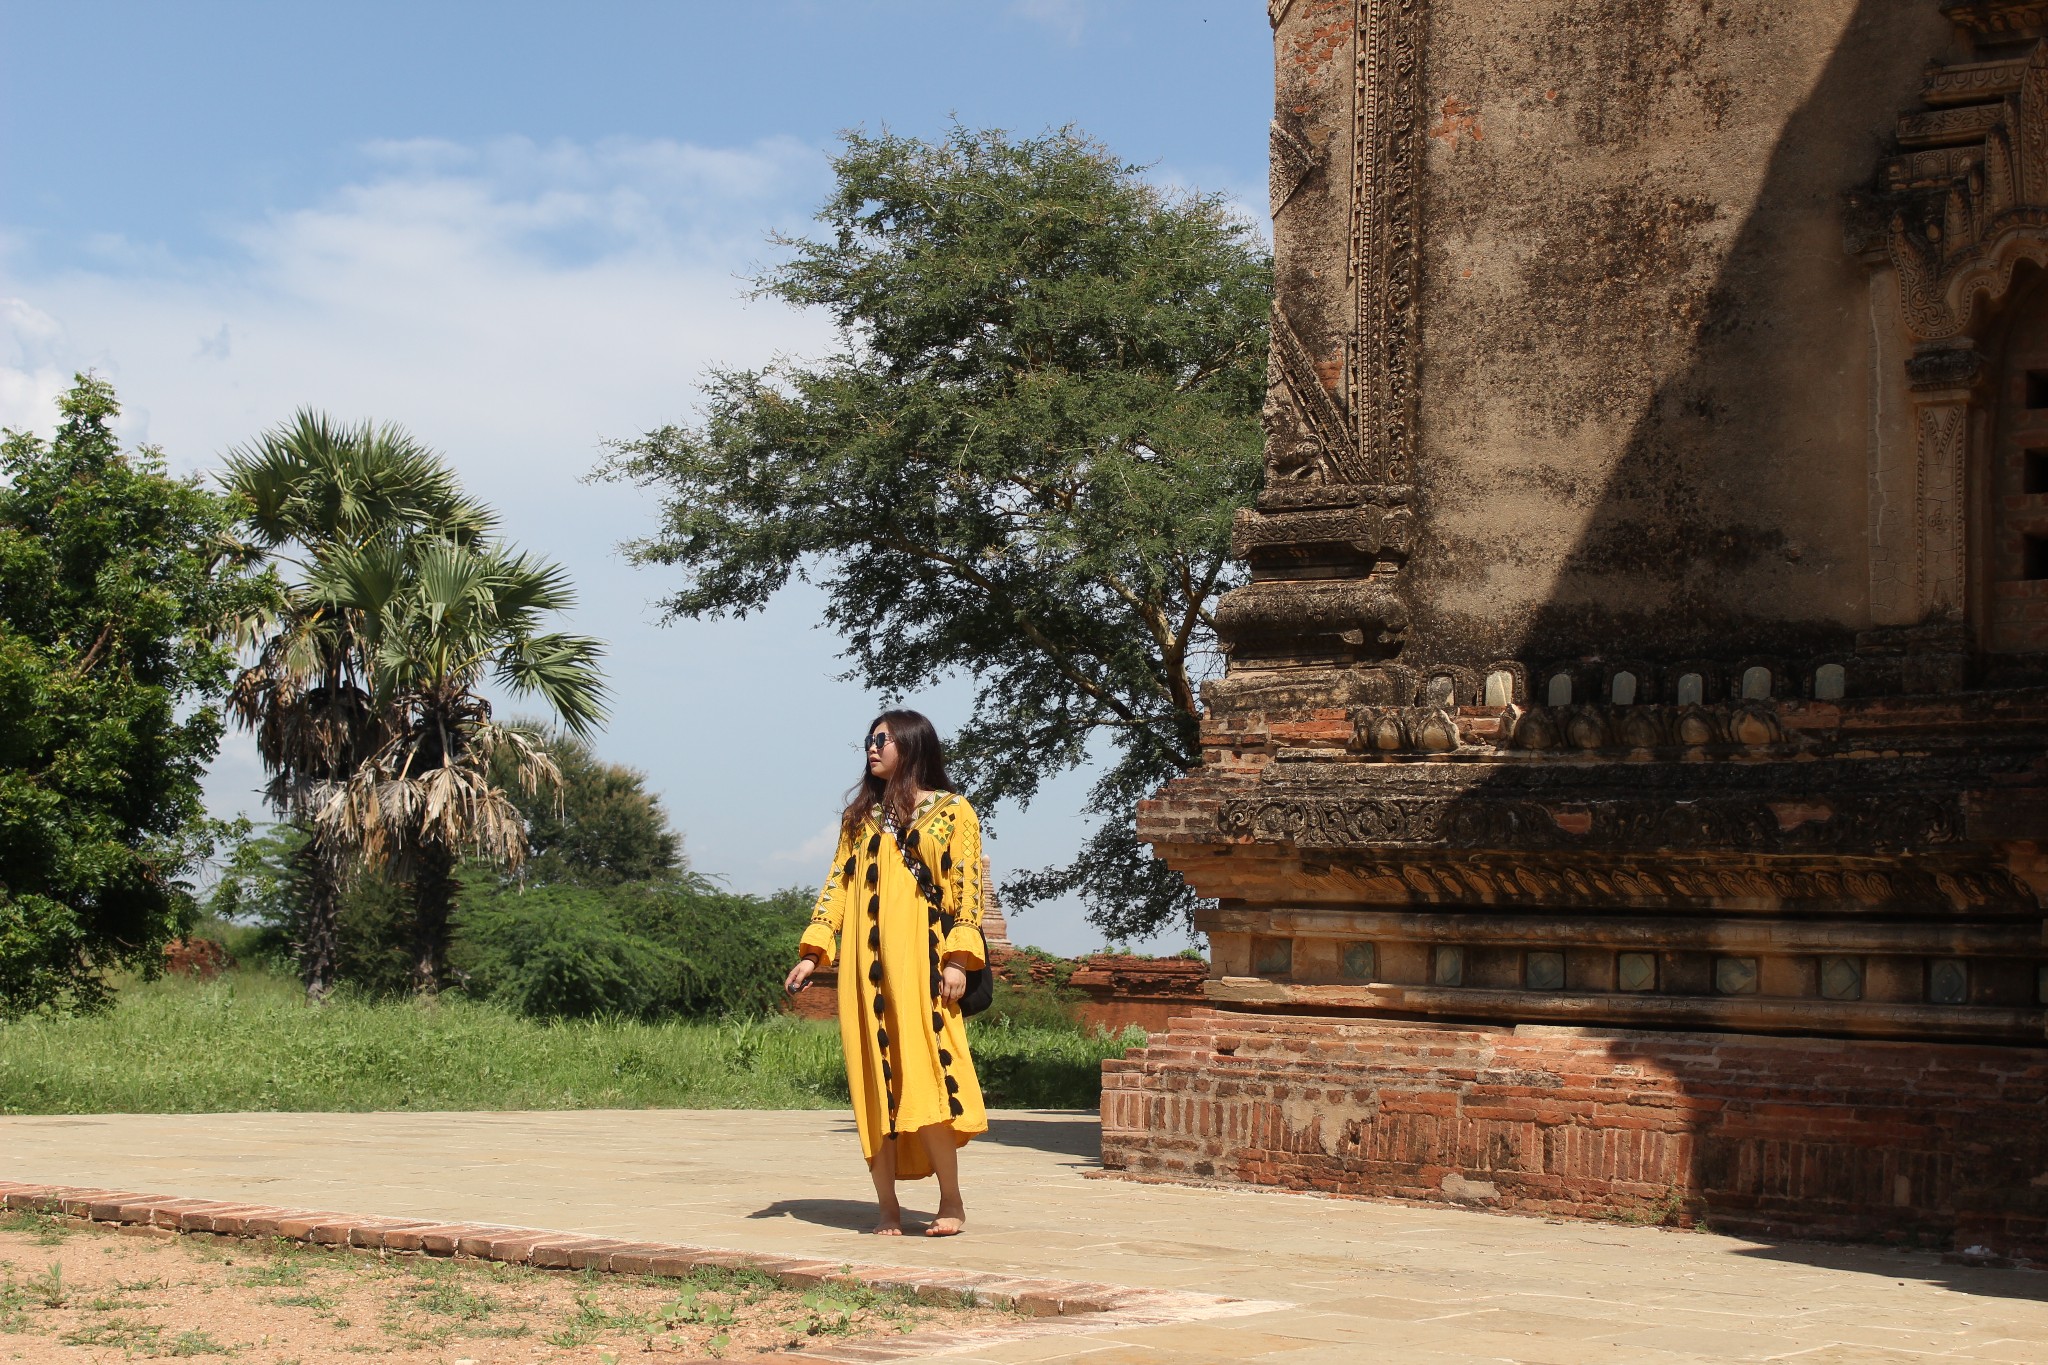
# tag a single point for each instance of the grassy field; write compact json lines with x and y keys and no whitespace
{"x":248,"y":1041}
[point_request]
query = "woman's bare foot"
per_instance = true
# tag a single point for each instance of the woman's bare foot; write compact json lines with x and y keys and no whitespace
{"x":946,"y":1225}
{"x":889,"y":1221}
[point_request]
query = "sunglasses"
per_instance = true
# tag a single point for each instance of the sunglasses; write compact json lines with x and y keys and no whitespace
{"x":879,"y":741}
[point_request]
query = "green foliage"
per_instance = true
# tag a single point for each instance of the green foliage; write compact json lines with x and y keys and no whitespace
{"x":678,"y":947}
{"x":600,"y":827}
{"x":261,"y":903}
{"x":1028,"y":1004}
{"x":735,"y":948}
{"x":249,"y":1042}
{"x":564,"y":953}
{"x":120,"y":589}
{"x":1023,"y":463}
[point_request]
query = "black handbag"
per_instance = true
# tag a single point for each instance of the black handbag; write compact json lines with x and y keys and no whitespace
{"x":981,"y":982}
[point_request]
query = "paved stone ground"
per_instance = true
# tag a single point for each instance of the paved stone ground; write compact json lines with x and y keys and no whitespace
{"x":1361,"y":1281}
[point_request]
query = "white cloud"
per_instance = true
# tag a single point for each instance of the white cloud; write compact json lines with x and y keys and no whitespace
{"x":518,"y":297}
{"x":1067,"y":18}
{"x":30,"y":375}
{"x":812,"y":852}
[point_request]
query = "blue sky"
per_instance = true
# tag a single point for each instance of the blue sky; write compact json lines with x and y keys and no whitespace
{"x":521,"y":230}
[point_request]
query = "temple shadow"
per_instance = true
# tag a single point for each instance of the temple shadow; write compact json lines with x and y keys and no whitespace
{"x":1080,"y":1136}
{"x":1923,"y":1266}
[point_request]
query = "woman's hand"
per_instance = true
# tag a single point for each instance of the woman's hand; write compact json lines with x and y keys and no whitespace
{"x":952,"y":984}
{"x":800,"y":975}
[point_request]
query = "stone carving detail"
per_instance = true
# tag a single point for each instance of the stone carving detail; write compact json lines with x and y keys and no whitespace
{"x":1963,"y":217}
{"x":1405,"y":729}
{"x":1310,"y":437}
{"x":1891,"y":822}
{"x":1371,"y":533}
{"x":1606,"y":884}
{"x":1955,"y":211}
{"x":1356,"y":424}
{"x":1944,"y":429}
{"x":1995,"y":19}
{"x":1360,"y":616}
{"x":1385,"y":243}
{"x":1946,"y":367}
{"x":1291,"y":160}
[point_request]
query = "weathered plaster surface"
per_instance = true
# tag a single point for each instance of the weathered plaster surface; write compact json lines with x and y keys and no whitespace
{"x":1646,"y":359}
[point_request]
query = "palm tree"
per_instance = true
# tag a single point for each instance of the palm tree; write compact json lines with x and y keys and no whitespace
{"x":438,"y":617}
{"x":312,"y":490}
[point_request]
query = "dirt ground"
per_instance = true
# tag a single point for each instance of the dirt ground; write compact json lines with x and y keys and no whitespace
{"x":74,"y":1292}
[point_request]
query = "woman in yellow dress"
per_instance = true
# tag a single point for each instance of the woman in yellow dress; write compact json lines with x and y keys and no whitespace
{"x":903,"y":902}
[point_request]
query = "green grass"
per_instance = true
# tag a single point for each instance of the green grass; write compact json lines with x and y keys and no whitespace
{"x":249,"y":1042}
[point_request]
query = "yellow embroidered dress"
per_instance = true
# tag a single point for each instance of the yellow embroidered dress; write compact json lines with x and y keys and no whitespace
{"x":906,"y":1050}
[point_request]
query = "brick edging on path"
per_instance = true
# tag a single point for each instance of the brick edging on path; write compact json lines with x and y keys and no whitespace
{"x":1060,"y":1306}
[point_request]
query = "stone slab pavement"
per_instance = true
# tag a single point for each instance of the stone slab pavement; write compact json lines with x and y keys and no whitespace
{"x":1353,"y":1280}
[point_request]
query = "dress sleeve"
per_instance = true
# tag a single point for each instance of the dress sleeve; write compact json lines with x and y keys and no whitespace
{"x":964,"y":890}
{"x":829,"y":912}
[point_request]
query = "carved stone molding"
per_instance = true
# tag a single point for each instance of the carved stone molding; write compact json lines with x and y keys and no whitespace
{"x":1865,"y":823}
{"x":1997,"y":19}
{"x":1357,"y":617}
{"x":1291,"y":160}
{"x":1943,"y":431}
{"x":1309,"y":434}
{"x":1385,"y":248}
{"x":1369,"y":533}
{"x":1968,"y":198}
{"x":1945,"y":367}
{"x":1609,"y":883}
{"x":1343,"y":405}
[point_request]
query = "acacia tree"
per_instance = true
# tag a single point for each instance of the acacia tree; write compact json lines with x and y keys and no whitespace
{"x":311,"y":489}
{"x":120,"y":592}
{"x":602,"y":828}
{"x":1022,"y":463}
{"x":439,"y":617}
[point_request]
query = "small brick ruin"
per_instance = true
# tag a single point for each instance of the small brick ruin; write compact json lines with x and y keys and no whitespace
{"x":196,"y":957}
{"x":1628,"y":789}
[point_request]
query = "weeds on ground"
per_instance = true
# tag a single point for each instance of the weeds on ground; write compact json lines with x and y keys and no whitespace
{"x":281,"y":1271}
{"x":48,"y":1228}
{"x":313,"y":1294}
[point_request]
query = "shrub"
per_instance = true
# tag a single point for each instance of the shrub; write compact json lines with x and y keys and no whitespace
{"x":561,"y":952}
{"x":1021,"y":1002}
{"x":640,"y":950}
{"x":734,"y":949}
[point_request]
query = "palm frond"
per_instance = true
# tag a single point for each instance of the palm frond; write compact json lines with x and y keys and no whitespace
{"x":561,"y":670}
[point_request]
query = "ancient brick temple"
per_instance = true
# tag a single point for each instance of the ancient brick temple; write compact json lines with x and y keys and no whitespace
{"x":1626,"y":793}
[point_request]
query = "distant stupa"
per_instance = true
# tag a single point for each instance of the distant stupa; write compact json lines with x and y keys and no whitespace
{"x":995,"y":929}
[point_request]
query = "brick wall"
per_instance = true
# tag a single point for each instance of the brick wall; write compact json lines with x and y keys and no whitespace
{"x":1118,"y":991}
{"x":1940,"y":1145}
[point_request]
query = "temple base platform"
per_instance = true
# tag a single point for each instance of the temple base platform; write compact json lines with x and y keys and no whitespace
{"x":1933,"y":1145}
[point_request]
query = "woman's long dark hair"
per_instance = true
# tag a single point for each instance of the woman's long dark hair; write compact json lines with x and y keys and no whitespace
{"x":920,"y":763}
